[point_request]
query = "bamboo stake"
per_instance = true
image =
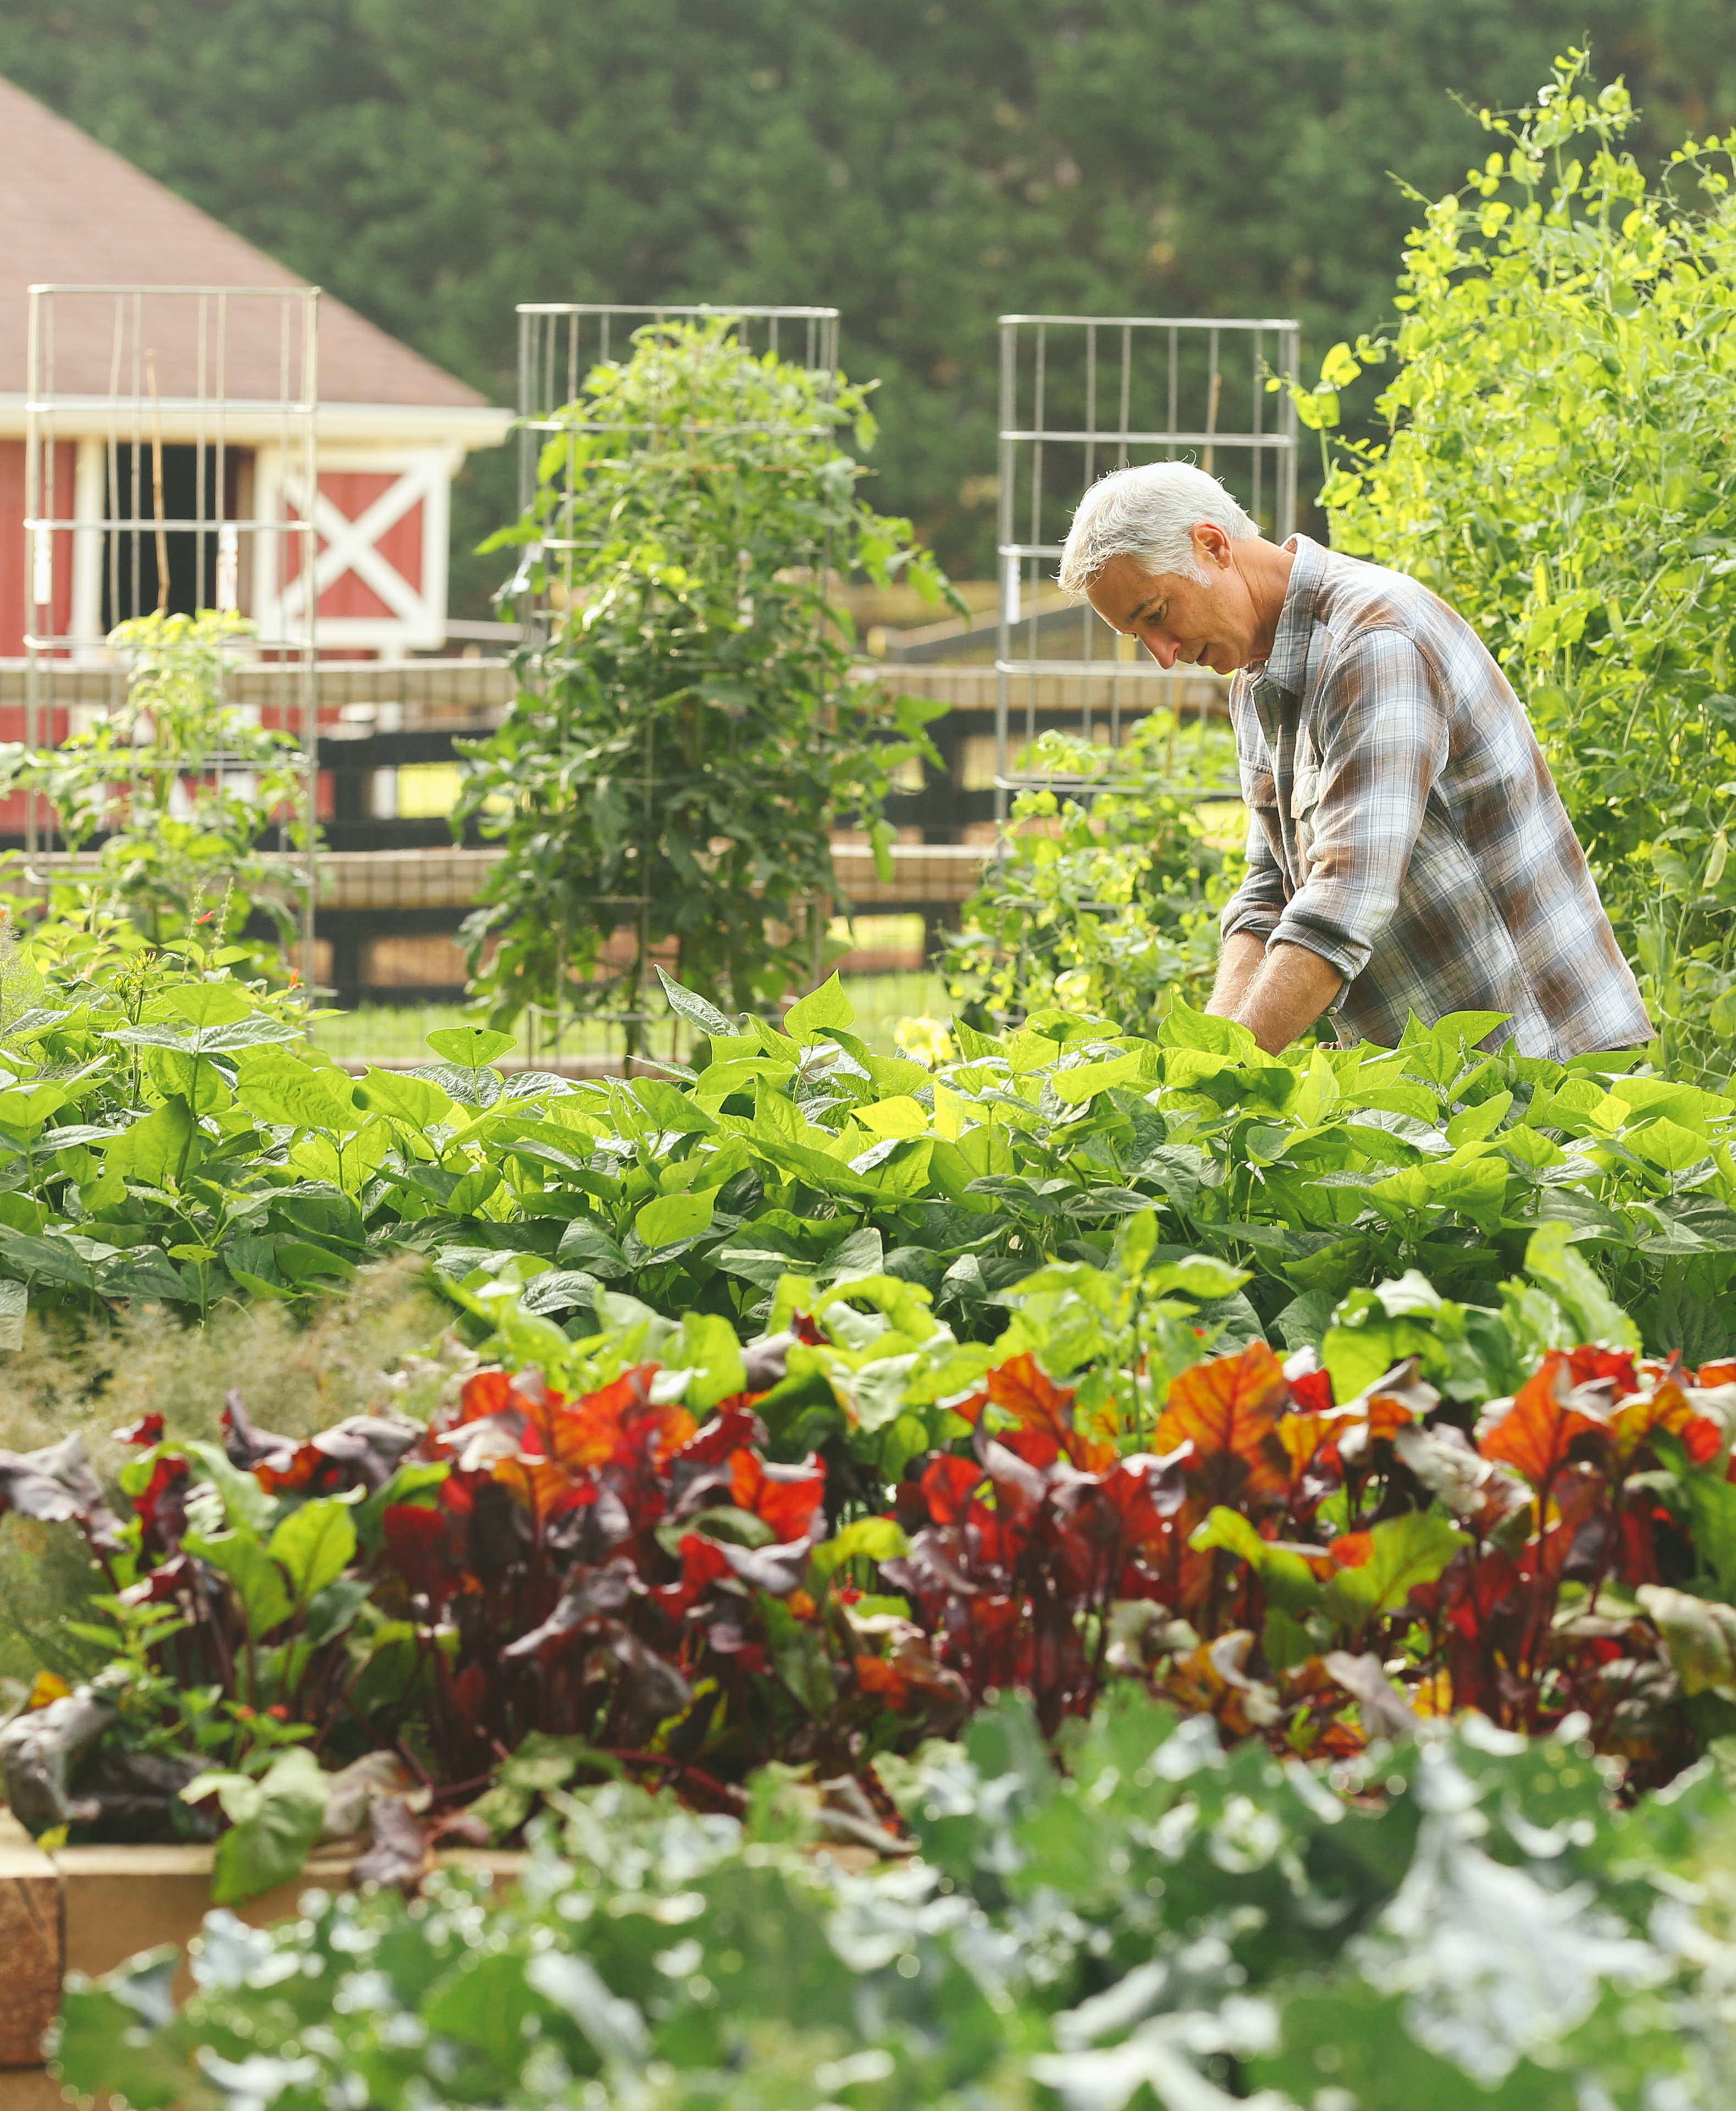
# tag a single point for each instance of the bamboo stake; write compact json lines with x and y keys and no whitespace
{"x":157,"y":487}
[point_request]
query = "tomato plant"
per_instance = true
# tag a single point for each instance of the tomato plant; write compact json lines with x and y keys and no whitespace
{"x":692,"y":731}
{"x":178,"y":788}
{"x":1104,"y":897}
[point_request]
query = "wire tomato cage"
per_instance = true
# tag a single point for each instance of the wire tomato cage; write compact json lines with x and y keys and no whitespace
{"x":560,"y":344}
{"x":1080,"y":395}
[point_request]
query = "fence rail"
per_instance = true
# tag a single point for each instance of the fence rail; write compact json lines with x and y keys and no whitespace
{"x":924,"y":875}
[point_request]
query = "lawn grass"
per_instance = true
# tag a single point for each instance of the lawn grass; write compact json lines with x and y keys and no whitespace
{"x":397,"y":1032}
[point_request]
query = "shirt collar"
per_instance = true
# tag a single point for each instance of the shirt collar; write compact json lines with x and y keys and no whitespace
{"x":1286,"y":666}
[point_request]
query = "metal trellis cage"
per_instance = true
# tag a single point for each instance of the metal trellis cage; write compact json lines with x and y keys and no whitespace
{"x":1081,"y":395}
{"x":172,"y":465}
{"x":560,"y":343}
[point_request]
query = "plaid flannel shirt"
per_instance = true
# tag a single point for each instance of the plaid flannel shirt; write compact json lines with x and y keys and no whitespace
{"x":1403,"y":823}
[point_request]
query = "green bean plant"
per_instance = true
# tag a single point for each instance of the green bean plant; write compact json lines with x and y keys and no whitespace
{"x":167,"y":1135}
{"x":1556,"y":466}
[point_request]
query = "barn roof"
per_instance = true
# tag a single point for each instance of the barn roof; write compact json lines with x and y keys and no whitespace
{"x":72,"y":213}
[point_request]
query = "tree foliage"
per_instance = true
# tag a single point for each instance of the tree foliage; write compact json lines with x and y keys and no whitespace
{"x":925,"y":167}
{"x":686,"y":741}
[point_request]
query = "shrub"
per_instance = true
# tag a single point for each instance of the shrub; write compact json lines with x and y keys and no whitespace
{"x":692,"y":731}
{"x":1556,"y":469}
{"x":1461,"y":1920}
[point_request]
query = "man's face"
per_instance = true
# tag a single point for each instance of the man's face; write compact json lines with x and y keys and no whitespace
{"x":1179,"y":620}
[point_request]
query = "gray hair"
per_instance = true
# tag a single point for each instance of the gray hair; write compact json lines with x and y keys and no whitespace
{"x":1150,"y":514}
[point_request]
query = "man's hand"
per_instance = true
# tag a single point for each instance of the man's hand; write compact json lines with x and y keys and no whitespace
{"x":1289,"y":990}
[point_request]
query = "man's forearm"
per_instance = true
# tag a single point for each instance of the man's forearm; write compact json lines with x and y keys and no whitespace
{"x":1290,"y":991}
{"x":1240,"y":961}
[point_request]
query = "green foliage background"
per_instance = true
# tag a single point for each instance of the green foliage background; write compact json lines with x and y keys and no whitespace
{"x":925,"y":166}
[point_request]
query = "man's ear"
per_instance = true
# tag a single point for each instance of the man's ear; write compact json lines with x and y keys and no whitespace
{"x":1211,"y":544}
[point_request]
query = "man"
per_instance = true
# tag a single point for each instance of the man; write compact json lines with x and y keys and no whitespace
{"x":1407,"y":851}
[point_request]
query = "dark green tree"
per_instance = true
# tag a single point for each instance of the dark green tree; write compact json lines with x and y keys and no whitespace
{"x":922,"y":165}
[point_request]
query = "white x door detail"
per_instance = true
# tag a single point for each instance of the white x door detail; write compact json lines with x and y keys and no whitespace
{"x":411,"y":614}
{"x":350,"y":545}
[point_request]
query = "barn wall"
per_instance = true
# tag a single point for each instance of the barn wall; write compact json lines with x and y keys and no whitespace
{"x":14,"y":557}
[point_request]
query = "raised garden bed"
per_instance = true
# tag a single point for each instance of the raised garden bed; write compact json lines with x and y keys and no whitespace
{"x":89,"y":1909}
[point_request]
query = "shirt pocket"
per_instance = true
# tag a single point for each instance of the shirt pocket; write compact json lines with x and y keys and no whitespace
{"x":1259,"y":787}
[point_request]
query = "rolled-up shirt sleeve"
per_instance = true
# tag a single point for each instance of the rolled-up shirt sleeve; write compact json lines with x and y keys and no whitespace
{"x":1385,"y":742}
{"x":1258,"y":902}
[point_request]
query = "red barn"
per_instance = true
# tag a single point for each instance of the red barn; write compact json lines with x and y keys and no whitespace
{"x":393,"y":428}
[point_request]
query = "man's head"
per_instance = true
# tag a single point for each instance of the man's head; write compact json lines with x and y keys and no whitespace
{"x":1162,"y":553}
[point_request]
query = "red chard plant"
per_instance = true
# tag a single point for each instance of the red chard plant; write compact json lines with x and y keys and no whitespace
{"x":653,"y":1552}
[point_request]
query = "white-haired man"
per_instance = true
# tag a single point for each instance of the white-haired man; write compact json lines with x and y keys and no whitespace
{"x":1407,"y":851}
